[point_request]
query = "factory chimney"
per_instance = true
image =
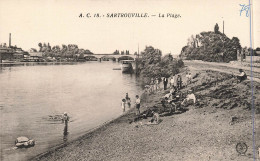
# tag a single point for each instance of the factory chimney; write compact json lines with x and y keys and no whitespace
{"x":10,"y":39}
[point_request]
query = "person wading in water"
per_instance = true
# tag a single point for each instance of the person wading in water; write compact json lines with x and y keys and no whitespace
{"x":128,"y":100}
{"x":65,"y":119}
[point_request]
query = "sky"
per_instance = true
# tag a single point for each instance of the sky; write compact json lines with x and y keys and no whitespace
{"x":58,"y":22}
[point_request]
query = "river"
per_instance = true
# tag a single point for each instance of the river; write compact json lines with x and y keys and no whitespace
{"x":30,"y":94}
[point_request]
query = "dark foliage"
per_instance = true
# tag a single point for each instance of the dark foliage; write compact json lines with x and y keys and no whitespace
{"x":152,"y":64}
{"x":211,"y":46}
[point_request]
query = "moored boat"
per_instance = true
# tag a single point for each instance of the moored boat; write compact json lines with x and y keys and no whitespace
{"x":8,"y":61}
{"x":127,"y":66}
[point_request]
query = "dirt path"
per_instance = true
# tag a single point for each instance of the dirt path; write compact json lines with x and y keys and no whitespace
{"x":224,"y":67}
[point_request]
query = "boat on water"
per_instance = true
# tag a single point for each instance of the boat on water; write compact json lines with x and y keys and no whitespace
{"x":127,"y":66}
{"x":8,"y":61}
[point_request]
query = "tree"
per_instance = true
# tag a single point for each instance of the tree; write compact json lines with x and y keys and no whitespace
{"x":216,"y":28}
{"x":40,"y":45}
{"x":212,"y":47}
{"x":116,"y":52}
{"x":81,"y":56}
{"x":152,"y":64}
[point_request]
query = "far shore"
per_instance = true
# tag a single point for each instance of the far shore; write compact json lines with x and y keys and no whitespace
{"x":17,"y":63}
{"x":209,"y":130}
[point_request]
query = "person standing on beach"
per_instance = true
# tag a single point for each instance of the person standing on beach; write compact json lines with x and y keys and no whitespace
{"x":156,"y":84}
{"x":172,"y":81}
{"x":188,"y":78}
{"x":165,"y":82}
{"x":152,"y":85}
{"x":179,"y":82}
{"x":128,"y":100}
{"x":123,"y":104}
{"x":137,"y":105}
{"x":65,"y":119}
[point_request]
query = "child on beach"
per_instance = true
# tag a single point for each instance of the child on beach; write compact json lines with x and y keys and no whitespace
{"x":188,"y":78}
{"x":137,"y":105}
{"x":172,"y":81}
{"x":128,"y":100}
{"x":123,"y":104}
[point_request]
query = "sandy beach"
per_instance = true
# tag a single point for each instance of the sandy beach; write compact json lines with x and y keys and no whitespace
{"x":209,"y":130}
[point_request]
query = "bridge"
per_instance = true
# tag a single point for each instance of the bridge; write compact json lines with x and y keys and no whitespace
{"x":110,"y":57}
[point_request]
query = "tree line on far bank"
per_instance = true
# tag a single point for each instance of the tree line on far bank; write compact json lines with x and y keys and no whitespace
{"x":121,"y":53}
{"x":66,"y":51}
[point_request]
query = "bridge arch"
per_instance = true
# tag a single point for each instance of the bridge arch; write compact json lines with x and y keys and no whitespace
{"x":125,"y":57}
{"x":108,"y":58}
{"x":90,"y":58}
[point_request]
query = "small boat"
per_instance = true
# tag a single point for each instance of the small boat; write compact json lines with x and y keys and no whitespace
{"x":8,"y":61}
{"x":127,"y":66}
{"x":116,"y":68}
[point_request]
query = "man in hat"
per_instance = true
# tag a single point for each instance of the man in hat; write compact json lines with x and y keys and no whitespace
{"x":242,"y":76}
{"x":165,"y":82}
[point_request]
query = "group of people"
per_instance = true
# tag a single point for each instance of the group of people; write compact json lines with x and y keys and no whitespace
{"x":175,"y":97}
{"x":127,"y":102}
{"x":153,"y":86}
{"x":175,"y":82}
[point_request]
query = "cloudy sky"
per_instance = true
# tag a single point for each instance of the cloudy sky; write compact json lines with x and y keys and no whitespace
{"x":58,"y":22}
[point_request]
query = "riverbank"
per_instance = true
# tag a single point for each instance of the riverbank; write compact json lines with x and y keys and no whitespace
{"x":209,"y":130}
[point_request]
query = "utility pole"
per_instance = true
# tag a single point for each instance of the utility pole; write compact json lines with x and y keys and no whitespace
{"x":223,"y":27}
{"x":138,"y":51}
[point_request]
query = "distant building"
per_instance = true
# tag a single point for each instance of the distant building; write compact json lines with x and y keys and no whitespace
{"x":34,"y":57}
{"x":12,"y":53}
{"x":6,"y":53}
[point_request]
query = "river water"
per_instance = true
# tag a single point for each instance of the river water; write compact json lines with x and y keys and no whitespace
{"x":30,"y":94}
